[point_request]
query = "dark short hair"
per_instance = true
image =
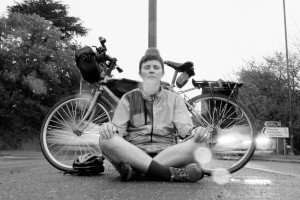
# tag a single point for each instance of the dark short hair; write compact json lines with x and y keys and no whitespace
{"x":151,"y":54}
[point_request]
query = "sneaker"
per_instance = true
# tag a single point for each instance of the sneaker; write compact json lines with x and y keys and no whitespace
{"x":190,"y":173}
{"x":126,"y":171}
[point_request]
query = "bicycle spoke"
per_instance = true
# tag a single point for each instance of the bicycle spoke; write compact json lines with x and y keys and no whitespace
{"x":99,"y":118}
{"x":210,"y":114}
{"x":232,"y":127}
{"x":85,"y":103}
{"x":205,"y":113}
{"x":89,"y":147}
{"x":60,"y":150}
{"x":227,"y":117}
{"x":74,"y":109}
{"x":68,"y":146}
{"x":71,"y":114}
{"x":62,"y":140}
{"x":54,"y":127}
{"x":62,"y":122}
{"x":58,"y":121}
{"x":68,"y":141}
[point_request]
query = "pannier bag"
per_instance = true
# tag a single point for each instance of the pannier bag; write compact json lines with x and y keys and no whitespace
{"x":182,"y":79}
{"x":86,"y":62}
{"x":186,"y":74}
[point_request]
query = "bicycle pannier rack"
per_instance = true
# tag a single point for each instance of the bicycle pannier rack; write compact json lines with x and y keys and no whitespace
{"x":225,"y":88}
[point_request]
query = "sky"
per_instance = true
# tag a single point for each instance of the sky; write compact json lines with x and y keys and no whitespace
{"x":218,"y":36}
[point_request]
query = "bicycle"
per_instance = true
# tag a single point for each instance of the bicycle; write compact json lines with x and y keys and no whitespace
{"x":70,"y":127}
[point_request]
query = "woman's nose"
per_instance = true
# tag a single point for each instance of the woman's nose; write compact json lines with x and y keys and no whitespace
{"x":151,"y":69}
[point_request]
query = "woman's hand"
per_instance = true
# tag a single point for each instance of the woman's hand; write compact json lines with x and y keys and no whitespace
{"x":107,"y":130}
{"x":199,"y":134}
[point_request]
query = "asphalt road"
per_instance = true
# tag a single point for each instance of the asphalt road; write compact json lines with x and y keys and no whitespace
{"x":32,"y":177}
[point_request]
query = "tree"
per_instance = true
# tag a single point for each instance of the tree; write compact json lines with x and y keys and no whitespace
{"x":53,"y":11}
{"x":37,"y":68}
{"x":266,"y":89}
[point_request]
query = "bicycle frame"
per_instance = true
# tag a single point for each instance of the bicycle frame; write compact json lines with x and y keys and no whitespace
{"x":98,"y":93}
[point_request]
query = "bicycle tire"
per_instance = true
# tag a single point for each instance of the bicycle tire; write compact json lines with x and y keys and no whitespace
{"x":60,"y":141}
{"x":234,"y":130}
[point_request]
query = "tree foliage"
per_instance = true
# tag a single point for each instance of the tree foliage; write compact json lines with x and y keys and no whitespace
{"x":37,"y":68}
{"x":53,"y":11}
{"x":266,"y":89}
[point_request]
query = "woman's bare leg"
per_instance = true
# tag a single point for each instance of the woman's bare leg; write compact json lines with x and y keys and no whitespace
{"x":118,"y":149}
{"x":179,"y":155}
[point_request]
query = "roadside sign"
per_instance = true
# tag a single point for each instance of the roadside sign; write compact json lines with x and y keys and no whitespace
{"x":277,"y":132}
{"x":272,"y":124}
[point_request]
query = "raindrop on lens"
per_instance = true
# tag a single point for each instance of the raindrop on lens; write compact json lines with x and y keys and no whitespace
{"x":221,"y":176}
{"x":203,"y":155}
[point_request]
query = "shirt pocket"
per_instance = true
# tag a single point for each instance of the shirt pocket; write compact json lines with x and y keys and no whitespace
{"x":138,"y":120}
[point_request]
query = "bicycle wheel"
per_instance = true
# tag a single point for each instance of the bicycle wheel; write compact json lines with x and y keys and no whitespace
{"x":233,"y":132}
{"x":62,"y":140}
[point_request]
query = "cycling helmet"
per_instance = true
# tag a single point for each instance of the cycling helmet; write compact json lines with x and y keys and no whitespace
{"x":88,"y":164}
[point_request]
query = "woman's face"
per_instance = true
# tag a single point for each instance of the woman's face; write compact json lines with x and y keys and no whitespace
{"x":151,"y":71}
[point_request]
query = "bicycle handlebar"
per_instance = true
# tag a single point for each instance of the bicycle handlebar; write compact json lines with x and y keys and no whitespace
{"x":103,"y":56}
{"x":102,"y":41}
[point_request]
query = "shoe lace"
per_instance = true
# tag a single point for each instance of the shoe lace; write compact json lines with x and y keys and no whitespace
{"x":180,"y":174}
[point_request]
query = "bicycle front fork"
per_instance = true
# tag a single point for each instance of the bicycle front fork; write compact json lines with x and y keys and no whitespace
{"x":91,"y":111}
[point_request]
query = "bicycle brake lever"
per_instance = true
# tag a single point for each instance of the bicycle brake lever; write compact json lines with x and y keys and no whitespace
{"x":119,"y":69}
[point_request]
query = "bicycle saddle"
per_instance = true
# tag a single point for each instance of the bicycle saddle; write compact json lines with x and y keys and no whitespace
{"x":187,"y":67}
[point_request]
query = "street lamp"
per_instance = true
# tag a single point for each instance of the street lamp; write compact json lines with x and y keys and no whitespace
{"x":289,"y":85}
{"x":152,"y":24}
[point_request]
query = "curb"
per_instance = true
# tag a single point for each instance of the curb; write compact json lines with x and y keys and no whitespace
{"x":276,"y":159}
{"x":11,"y":158}
{"x":20,"y":156}
{"x":5,"y":154}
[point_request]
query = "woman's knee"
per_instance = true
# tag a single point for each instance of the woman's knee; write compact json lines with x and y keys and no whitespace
{"x":110,"y":144}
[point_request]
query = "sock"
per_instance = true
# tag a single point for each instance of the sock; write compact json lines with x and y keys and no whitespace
{"x":159,"y":171}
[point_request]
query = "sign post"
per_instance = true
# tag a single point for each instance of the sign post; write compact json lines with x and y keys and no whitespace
{"x":273,"y":129}
{"x":276,"y":132}
{"x":272,"y":124}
